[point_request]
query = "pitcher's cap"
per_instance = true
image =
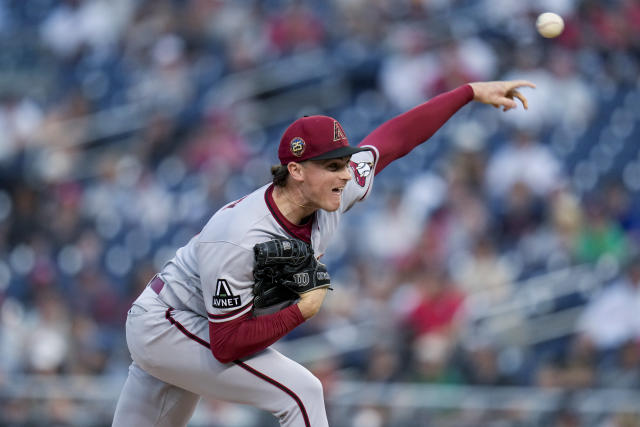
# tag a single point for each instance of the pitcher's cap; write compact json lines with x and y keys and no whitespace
{"x":314,"y":138}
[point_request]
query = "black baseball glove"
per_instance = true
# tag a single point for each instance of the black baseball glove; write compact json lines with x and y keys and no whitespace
{"x":284,"y":269}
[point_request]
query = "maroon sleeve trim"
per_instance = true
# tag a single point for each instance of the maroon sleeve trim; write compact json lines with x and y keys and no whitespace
{"x":229,"y":314}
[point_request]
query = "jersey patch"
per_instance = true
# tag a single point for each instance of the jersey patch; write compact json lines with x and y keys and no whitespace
{"x":224,"y":298}
{"x":361,"y":171}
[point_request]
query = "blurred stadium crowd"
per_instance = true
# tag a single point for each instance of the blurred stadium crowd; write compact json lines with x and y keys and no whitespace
{"x":124,"y":124}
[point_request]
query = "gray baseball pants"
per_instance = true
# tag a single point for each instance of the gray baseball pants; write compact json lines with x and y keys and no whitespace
{"x":173,"y":367}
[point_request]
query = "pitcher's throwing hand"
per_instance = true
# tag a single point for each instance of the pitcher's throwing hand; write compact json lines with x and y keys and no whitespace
{"x":501,"y":93}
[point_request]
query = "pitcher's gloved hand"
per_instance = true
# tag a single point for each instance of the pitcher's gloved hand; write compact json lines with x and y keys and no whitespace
{"x":284,"y":269}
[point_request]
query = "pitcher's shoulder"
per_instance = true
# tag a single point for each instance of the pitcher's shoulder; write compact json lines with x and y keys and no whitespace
{"x":234,"y":221}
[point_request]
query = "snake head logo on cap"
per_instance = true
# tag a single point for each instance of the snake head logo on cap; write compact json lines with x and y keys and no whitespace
{"x":297,"y":146}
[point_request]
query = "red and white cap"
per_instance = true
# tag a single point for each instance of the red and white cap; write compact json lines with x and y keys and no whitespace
{"x":314,"y":138}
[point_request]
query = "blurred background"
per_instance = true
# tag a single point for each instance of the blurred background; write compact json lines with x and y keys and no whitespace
{"x":489,"y":280}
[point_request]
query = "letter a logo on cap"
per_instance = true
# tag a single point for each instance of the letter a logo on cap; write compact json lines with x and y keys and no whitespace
{"x":338,"y":133}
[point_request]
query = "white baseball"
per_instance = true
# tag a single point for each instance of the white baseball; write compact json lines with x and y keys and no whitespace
{"x":549,"y":25}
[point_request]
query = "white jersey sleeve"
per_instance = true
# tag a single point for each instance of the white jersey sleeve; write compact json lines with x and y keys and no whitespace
{"x":362,"y":167}
{"x":227,"y":279}
{"x":224,"y":255}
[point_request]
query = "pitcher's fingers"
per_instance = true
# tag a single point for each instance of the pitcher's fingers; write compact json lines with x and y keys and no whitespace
{"x":506,"y":102}
{"x":521,"y":97}
{"x":513,"y":84}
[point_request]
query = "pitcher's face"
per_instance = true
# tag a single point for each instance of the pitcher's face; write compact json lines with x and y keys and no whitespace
{"x":324,"y":181}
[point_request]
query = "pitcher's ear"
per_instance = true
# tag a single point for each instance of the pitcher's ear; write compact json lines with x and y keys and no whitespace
{"x":295,"y":170}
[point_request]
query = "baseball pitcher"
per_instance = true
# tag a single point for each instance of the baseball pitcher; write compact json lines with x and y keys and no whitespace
{"x":205,"y":323}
